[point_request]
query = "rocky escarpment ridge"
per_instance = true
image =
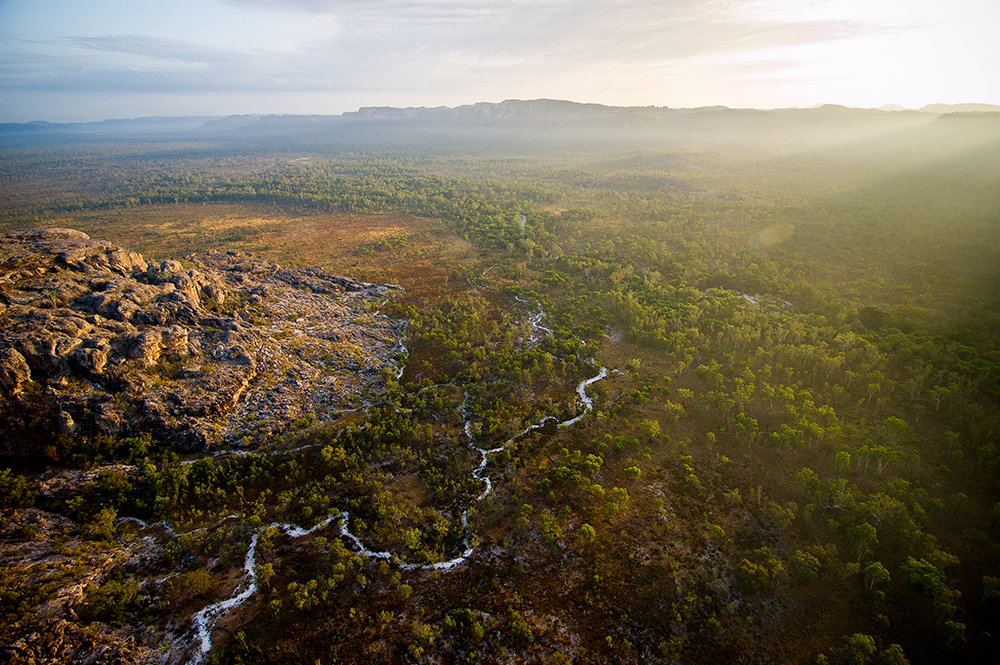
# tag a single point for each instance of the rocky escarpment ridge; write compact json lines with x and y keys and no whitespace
{"x":218,"y":350}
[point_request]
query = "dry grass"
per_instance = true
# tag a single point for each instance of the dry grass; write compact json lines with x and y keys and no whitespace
{"x":419,"y":253}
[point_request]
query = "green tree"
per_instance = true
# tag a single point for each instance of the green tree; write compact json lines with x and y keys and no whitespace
{"x":805,"y":565}
{"x":893,"y":655}
{"x":924,"y":574}
{"x":15,"y":490}
{"x":991,"y":587}
{"x":519,"y":627}
{"x":874,"y":573}
{"x":863,"y":538}
{"x":110,"y":602}
{"x":859,"y":648}
{"x":102,"y":525}
{"x":842,"y":462}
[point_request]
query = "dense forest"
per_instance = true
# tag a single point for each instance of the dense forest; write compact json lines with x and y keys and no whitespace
{"x":789,"y":456}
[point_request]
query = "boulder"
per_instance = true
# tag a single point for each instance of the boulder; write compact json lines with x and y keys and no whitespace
{"x":14,"y":371}
{"x":92,"y":359}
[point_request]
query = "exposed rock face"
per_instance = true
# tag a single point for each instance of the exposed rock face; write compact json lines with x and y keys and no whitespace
{"x":224,"y":350}
{"x":53,"y":633}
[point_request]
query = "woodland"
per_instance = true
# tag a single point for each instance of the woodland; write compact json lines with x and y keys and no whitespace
{"x":791,"y":456}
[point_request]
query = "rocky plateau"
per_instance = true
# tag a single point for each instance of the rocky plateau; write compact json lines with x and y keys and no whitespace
{"x":211,"y":352}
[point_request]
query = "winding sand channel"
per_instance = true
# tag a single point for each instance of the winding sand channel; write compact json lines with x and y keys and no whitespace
{"x":206,"y":619}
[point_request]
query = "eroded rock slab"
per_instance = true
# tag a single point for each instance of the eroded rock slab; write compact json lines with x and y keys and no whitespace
{"x":218,"y":350}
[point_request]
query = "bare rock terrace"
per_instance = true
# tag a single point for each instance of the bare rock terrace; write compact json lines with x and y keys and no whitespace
{"x":219,"y":350}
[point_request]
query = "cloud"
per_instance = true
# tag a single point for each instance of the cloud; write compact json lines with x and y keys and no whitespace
{"x":135,"y":63}
{"x":151,"y":48}
{"x":439,"y":8}
{"x":554,"y":36}
{"x":482,"y":47}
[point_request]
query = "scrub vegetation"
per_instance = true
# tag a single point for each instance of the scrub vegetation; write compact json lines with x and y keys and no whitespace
{"x":795,"y":461}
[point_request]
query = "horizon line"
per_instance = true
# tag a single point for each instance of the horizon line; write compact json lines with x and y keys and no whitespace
{"x":888,"y":108}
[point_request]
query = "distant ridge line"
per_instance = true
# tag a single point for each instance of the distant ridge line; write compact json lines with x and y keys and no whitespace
{"x":486,"y":110}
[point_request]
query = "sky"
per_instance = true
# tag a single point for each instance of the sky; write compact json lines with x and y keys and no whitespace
{"x":85,"y":60}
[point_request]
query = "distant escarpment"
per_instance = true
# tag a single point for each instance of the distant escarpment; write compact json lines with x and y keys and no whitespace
{"x":223,"y":349}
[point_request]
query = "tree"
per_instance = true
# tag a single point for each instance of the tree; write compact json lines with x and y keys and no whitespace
{"x":110,"y":602}
{"x":651,"y":429}
{"x":15,"y":490}
{"x":924,"y":574}
{"x":858,"y":648}
{"x":264,"y":574}
{"x":873,"y":574}
{"x":758,"y":571}
{"x":806,"y":566}
{"x":893,"y":655}
{"x":618,"y":496}
{"x":519,"y":627}
{"x":842,"y":462}
{"x":808,"y":480}
{"x":991,"y":587}
{"x":102,"y":525}
{"x":883,"y":456}
{"x":863,"y":538}
{"x":955,"y":631}
{"x":882,"y":506}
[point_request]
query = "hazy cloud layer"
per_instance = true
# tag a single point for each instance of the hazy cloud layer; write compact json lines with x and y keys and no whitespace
{"x":417,"y":44}
{"x":680,"y":52}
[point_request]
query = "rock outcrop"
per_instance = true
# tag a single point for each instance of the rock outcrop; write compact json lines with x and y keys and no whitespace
{"x":219,"y":350}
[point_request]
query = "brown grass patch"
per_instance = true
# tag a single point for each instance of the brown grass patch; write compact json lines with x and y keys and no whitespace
{"x":417,"y":252}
